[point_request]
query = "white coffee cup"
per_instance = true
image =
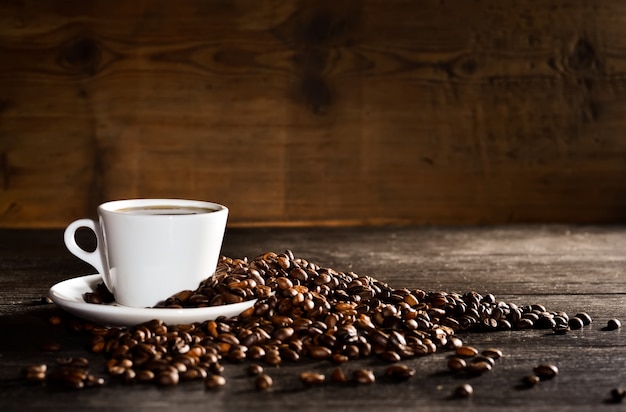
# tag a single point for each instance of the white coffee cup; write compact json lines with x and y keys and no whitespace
{"x":149,"y":249}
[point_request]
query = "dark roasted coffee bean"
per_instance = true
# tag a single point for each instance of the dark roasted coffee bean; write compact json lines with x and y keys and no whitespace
{"x":560,"y":329}
{"x":479,"y":367}
{"x":466,"y":351}
{"x":463,"y":391}
{"x":55,"y":320}
{"x":35,"y":373}
{"x":399,"y":372}
{"x":390,"y":356}
{"x":51,"y":346}
{"x":524,"y":323}
{"x":338,"y":376}
{"x":263,"y":382}
{"x":617,"y":394}
{"x":255,"y":369}
{"x":492,"y":353}
{"x":575,"y":323}
{"x":214,"y":381}
{"x":613,"y":324}
{"x":145,"y":375}
{"x":168,"y":377}
{"x":320,"y":352}
{"x":312,"y":378}
{"x":584,"y":316}
{"x":530,"y":380}
{"x":481,"y":358}
{"x":364,"y":376}
{"x":545,"y":322}
{"x":456,"y":364}
{"x":91,"y":297}
{"x":546,"y":371}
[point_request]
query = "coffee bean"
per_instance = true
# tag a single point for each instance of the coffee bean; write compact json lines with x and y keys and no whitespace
{"x":35,"y":373}
{"x":613,"y":324}
{"x":255,"y":369}
{"x":546,"y":371}
{"x":364,"y":376}
{"x":463,"y":391}
{"x":55,"y":320}
{"x":94,"y":298}
{"x":479,"y":367}
{"x":338,"y":376}
{"x":492,"y":353}
{"x":214,"y":381}
{"x":456,"y":364}
{"x":320,"y":352}
{"x":390,"y":356}
{"x":575,"y":323}
{"x":169,"y":377}
{"x":399,"y":372}
{"x":51,"y":346}
{"x":530,"y":380}
{"x":306,"y":311}
{"x":145,"y":375}
{"x":466,"y":351}
{"x":584,"y":317}
{"x":617,"y":394}
{"x":264,"y":382}
{"x":312,"y":378}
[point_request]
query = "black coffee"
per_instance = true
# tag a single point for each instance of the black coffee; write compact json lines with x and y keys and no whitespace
{"x":166,"y":210}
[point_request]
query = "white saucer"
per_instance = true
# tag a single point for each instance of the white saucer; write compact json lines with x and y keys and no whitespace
{"x":69,"y":296}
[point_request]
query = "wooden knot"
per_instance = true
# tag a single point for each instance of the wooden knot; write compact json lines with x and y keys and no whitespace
{"x":583,"y":57}
{"x":82,"y":55}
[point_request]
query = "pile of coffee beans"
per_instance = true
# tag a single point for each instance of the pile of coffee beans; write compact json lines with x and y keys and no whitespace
{"x":308,"y":311}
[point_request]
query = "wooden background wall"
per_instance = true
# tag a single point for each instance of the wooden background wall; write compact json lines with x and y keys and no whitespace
{"x":316,"y":112}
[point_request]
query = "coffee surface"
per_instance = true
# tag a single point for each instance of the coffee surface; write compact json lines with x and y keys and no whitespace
{"x":165,"y":210}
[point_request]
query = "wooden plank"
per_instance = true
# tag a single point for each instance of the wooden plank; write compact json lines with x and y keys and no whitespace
{"x":315,"y":113}
{"x":569,"y":268}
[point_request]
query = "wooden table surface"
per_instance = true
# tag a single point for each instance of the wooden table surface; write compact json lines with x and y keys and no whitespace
{"x":565,"y":268}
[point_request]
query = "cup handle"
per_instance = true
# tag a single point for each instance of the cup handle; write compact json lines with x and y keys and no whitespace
{"x":93,"y":258}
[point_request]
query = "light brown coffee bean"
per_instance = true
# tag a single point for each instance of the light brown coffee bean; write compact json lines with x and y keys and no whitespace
{"x":264,"y":382}
{"x":312,"y":378}
{"x":214,"y":381}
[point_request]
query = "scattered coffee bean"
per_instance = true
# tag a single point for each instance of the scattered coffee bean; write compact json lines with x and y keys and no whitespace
{"x":584,"y":317}
{"x":546,"y":371}
{"x":464,"y":391}
{"x":466,"y":351}
{"x":617,"y":394}
{"x":399,"y":372}
{"x":364,"y":376}
{"x":492,"y":353}
{"x":613,"y":324}
{"x":255,"y":369}
{"x":51,"y":346}
{"x":456,"y":364}
{"x":55,"y":320}
{"x":575,"y":323}
{"x":167,"y":377}
{"x":312,"y":378}
{"x":478,"y":368}
{"x":35,"y":373}
{"x":303,"y":310}
{"x":530,"y":380}
{"x":263,"y":382}
{"x":214,"y":381}
{"x":338,"y":376}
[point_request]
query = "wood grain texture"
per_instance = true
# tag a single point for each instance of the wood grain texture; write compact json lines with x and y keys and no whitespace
{"x":565,"y":268}
{"x":316,"y":112}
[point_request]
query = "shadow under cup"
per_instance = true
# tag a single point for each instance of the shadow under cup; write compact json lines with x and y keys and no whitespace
{"x":150,"y":249}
